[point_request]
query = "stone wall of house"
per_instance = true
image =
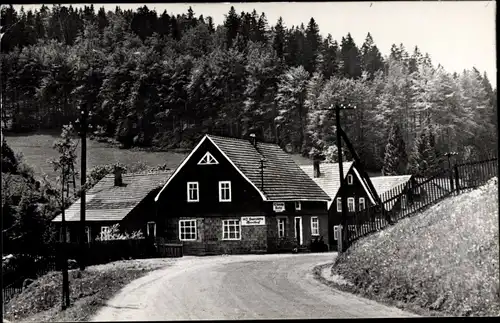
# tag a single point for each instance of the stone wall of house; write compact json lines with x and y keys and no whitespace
{"x":209,"y":239}
{"x":258,"y":238}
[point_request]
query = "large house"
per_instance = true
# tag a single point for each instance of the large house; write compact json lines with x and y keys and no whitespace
{"x":127,"y":200}
{"x":240,"y":196}
{"x":358,"y":190}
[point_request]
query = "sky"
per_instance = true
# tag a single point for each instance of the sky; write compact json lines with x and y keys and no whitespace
{"x":457,"y":34}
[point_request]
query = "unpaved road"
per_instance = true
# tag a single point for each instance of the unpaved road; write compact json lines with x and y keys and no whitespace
{"x":238,"y":287}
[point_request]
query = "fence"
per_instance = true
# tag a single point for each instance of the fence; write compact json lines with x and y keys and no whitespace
{"x":34,"y":265}
{"x":21,"y":267}
{"x":417,"y":195}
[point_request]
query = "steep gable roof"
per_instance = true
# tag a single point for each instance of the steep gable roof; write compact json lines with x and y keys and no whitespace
{"x":107,"y":202}
{"x":329,"y":179}
{"x":283,"y":178}
{"x":383,"y":184}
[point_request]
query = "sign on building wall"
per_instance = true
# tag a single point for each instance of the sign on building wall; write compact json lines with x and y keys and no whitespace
{"x":279,"y":206}
{"x":253,"y":220}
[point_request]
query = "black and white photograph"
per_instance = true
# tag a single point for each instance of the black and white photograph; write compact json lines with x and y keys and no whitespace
{"x":249,"y":161}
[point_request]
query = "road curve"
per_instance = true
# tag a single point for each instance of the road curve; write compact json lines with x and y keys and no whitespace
{"x":239,"y":287}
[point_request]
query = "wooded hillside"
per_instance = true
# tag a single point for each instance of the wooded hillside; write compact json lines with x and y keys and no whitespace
{"x":161,"y":80}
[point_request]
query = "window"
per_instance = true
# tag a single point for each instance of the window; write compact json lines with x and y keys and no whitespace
{"x":403,"y":202}
{"x":362,"y":204}
{"x":350,"y":180}
{"x":67,"y":235}
{"x":187,"y":230}
{"x":231,"y":230}
{"x":105,"y":233}
{"x":350,"y":204}
{"x":87,"y":234}
{"x":193,"y":192}
{"x":225,"y":191}
{"x":336,"y":232}
{"x":298,"y":206}
{"x":281,"y":227}
{"x":151,"y":229}
{"x":315,"y":226}
{"x":208,"y":159}
{"x":339,"y":204}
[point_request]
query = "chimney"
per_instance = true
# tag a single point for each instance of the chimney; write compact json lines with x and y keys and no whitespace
{"x":253,"y":139}
{"x":118,"y":176}
{"x":316,"y":172}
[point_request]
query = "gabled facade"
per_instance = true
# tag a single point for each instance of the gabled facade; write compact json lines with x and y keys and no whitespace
{"x":357,"y":190}
{"x":221,"y":200}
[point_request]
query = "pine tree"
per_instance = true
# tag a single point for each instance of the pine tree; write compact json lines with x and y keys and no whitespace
{"x":350,"y":58}
{"x":425,"y":160}
{"x":291,"y":97}
{"x":279,"y":38}
{"x":371,"y":59}
{"x":232,"y":24}
{"x":312,"y":48}
{"x":395,"y":160}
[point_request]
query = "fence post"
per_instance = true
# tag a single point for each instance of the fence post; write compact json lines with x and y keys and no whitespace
{"x":457,"y":179}
{"x":451,"y":180}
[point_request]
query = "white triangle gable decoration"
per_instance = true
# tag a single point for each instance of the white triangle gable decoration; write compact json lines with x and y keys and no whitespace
{"x":208,"y":159}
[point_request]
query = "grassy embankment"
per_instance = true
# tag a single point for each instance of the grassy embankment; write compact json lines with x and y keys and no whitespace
{"x":89,"y":290}
{"x":443,"y":261}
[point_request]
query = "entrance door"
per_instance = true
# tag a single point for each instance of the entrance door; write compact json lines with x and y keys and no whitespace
{"x":298,"y":230}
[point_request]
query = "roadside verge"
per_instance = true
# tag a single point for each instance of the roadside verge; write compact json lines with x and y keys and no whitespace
{"x":89,"y":291}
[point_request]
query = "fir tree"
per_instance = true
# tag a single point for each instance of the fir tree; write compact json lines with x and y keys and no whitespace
{"x":350,"y":58}
{"x":395,"y":160}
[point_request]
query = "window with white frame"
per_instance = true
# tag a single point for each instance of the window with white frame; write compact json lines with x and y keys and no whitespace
{"x":193,"y":194}
{"x":314,"y":226}
{"x":105,"y":232}
{"x":225,"y":191}
{"x":231,"y":230}
{"x":336,"y":232}
{"x":298,"y":206}
{"x":362,"y":203}
{"x":350,"y":204}
{"x":187,"y":230}
{"x":350,"y":179}
{"x":208,"y":159}
{"x":88,"y":234}
{"x":151,"y":229}
{"x":339,"y":204}
{"x":281,"y":227}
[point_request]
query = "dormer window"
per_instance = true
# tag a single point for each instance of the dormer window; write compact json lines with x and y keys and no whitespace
{"x":298,"y":206}
{"x":350,"y":179}
{"x":208,"y":159}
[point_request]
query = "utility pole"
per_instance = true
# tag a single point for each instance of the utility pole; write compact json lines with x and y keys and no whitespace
{"x":83,"y":120}
{"x":65,"y":277}
{"x":343,"y":199}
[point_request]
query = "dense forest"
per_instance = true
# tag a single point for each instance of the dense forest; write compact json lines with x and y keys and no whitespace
{"x":162,"y":80}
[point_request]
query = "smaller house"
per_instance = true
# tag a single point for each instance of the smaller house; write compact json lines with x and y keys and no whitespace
{"x":124,"y":199}
{"x":357,"y":189}
{"x":388,"y":187}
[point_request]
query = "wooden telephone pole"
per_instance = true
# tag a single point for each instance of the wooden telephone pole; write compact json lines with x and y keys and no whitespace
{"x":64,"y":255}
{"x":83,"y":120}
